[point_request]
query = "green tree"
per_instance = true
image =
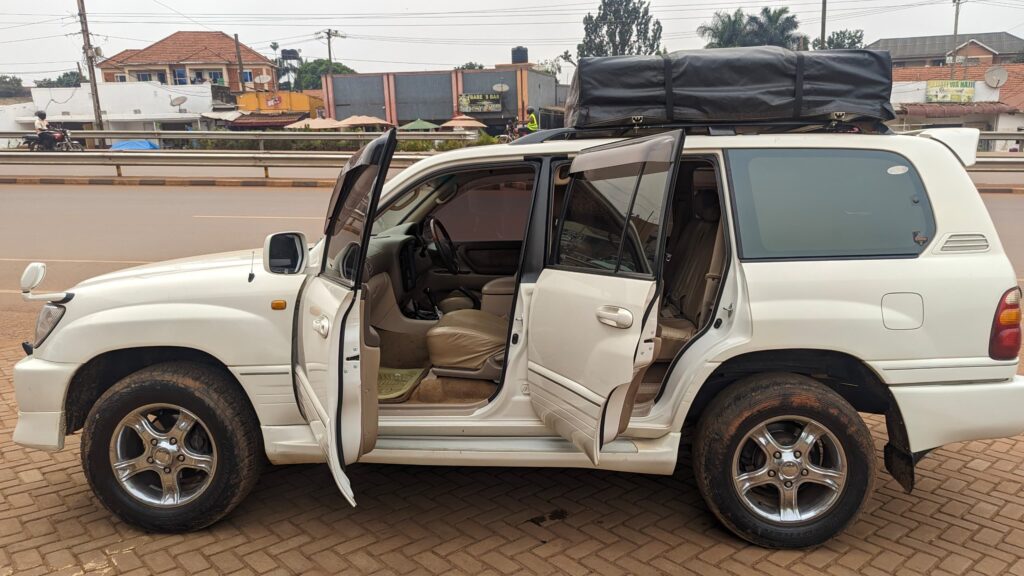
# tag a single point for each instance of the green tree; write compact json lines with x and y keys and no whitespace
{"x":11,"y":86}
{"x":840,"y":39}
{"x":470,"y":66}
{"x":774,"y":27}
{"x":726,"y":30}
{"x":620,"y":27}
{"x":307,"y":75}
{"x":65,"y":80}
{"x":552,"y":66}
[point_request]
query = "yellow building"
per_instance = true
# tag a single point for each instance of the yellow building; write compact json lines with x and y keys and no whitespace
{"x":280,"y":102}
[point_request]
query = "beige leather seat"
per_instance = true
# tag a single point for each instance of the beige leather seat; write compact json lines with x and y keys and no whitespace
{"x":687,"y":274}
{"x":468,"y":344}
{"x":496,"y":299}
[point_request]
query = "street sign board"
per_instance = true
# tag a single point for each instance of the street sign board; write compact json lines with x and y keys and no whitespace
{"x":953,"y":91}
{"x":480,"y":102}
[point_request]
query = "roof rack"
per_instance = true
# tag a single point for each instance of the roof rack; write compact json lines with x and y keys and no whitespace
{"x":712,"y":129}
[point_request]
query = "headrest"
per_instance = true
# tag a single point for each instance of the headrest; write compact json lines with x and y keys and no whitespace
{"x":705,"y":205}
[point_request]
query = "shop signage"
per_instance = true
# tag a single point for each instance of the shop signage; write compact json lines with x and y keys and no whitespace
{"x":957,"y":91}
{"x":480,"y":102}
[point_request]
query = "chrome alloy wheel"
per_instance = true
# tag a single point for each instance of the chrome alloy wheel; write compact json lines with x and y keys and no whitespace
{"x":163,"y":455}
{"x":789,"y":470}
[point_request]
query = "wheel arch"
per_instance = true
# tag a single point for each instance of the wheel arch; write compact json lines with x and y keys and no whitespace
{"x":846,"y":374}
{"x":101,"y":372}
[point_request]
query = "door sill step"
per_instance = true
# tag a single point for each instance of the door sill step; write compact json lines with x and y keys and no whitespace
{"x":553,"y":445}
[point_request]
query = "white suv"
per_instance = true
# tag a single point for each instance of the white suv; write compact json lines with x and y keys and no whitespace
{"x":572,"y":302}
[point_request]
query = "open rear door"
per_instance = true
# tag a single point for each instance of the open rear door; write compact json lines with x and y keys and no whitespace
{"x":593,"y":314}
{"x":334,"y":352}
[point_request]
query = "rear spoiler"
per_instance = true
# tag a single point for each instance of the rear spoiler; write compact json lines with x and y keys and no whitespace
{"x":962,"y":142}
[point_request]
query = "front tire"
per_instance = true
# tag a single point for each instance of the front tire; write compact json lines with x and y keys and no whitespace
{"x":783,"y":461}
{"x":172,"y":448}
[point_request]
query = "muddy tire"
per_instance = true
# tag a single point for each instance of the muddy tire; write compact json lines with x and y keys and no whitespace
{"x":173,"y":447}
{"x":783,"y":461}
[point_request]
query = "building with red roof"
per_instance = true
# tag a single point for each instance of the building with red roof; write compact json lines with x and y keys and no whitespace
{"x":192,"y":58}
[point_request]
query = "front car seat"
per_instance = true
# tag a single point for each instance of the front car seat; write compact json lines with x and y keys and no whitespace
{"x":468,"y":344}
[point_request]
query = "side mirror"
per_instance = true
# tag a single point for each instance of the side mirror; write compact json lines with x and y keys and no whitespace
{"x":32,"y":276}
{"x":285,"y":253}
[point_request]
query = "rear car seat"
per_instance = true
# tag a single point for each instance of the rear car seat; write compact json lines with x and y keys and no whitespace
{"x":687,"y":274}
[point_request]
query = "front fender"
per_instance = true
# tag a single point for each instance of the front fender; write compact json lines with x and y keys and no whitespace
{"x":234,"y":336}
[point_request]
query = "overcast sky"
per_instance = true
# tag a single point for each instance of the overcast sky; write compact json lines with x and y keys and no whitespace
{"x":39,"y":39}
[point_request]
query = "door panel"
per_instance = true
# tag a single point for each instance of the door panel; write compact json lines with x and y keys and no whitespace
{"x":499,"y":258}
{"x":593,"y":314}
{"x":576,"y":362}
{"x":334,"y":354}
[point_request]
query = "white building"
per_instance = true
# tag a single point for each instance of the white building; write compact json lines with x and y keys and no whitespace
{"x":124,"y":106}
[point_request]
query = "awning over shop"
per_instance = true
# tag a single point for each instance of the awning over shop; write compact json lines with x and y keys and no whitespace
{"x":952,"y":110}
{"x":257,"y":120}
{"x":226,"y":116}
{"x":364,"y":122}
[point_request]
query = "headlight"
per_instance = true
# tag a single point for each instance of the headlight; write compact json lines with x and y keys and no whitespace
{"x":48,"y":318}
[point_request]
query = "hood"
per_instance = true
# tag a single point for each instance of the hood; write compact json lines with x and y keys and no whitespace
{"x":218,"y":261}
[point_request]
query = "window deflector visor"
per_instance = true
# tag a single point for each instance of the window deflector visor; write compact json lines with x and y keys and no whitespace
{"x":657,"y":148}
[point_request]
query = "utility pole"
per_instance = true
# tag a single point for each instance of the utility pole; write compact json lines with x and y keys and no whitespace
{"x":330,"y":56}
{"x":90,"y":60}
{"x":956,"y":39}
{"x":823,"y":45}
{"x":238,"y":54}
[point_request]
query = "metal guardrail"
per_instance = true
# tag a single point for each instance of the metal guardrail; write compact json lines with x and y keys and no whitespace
{"x":248,"y":135}
{"x":987,"y":162}
{"x":250,"y":159}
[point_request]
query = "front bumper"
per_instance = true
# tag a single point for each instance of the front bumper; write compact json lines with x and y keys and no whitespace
{"x":39,"y":389}
{"x":938,"y":414}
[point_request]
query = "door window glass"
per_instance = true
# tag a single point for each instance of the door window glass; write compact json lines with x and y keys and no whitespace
{"x":344,"y":238}
{"x":596,"y":233}
{"x":802,"y":203}
{"x":490,"y":205}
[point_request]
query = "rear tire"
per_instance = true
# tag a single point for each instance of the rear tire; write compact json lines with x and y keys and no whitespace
{"x":783,"y":461}
{"x":184,"y":440}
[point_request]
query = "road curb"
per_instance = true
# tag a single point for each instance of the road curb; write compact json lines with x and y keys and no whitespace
{"x":150,"y":181}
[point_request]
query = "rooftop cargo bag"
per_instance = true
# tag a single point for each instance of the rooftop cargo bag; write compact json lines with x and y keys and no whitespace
{"x":757,"y":84}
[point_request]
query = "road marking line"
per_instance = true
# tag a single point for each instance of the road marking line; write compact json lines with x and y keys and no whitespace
{"x":258,"y":217}
{"x":76,"y":261}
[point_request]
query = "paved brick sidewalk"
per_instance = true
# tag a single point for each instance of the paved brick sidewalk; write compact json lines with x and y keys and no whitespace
{"x":966,"y":517}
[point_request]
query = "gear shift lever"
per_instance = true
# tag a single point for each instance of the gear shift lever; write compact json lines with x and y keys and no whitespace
{"x":433,"y":302}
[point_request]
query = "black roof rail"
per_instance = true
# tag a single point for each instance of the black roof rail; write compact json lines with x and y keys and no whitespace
{"x":713,"y":129}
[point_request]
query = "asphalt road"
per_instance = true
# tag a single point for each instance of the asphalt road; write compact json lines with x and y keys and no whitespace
{"x":82,"y":231}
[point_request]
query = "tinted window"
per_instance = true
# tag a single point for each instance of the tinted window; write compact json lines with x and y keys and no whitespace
{"x":596,"y":232}
{"x":494,"y":207}
{"x":343,"y":239}
{"x":828,"y":204}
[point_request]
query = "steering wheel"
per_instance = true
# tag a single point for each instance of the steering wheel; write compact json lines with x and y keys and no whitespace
{"x":445,"y":246}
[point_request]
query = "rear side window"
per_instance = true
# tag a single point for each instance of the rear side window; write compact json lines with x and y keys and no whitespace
{"x":613,"y":218}
{"x":828,"y":203}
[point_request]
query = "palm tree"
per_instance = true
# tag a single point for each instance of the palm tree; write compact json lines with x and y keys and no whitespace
{"x":774,"y":27}
{"x":726,"y":30}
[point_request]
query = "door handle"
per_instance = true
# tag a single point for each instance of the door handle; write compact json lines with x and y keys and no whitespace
{"x":322,"y":326}
{"x":615,"y":316}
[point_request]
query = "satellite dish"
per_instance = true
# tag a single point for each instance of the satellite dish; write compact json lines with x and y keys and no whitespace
{"x":996,"y":76}
{"x":179,"y":100}
{"x":500,"y":88}
{"x":261,"y":79}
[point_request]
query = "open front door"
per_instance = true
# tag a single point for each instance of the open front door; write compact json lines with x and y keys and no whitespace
{"x":336,"y":358}
{"x":593,"y":314}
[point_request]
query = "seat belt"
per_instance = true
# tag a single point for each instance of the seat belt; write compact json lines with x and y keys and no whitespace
{"x":714,"y":275}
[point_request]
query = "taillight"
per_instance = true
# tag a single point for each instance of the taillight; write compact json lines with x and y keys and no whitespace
{"x":1004,"y":344}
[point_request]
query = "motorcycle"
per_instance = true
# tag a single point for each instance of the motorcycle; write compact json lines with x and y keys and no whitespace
{"x":60,"y":141}
{"x":512,"y":131}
